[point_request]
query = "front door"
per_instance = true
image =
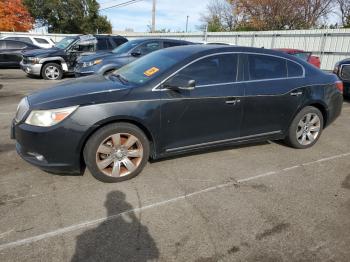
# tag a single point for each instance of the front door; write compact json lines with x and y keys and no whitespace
{"x":209,"y":114}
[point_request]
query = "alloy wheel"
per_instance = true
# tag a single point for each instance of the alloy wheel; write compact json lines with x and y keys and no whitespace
{"x":119,"y":155}
{"x":52,"y":72}
{"x":308,"y":129}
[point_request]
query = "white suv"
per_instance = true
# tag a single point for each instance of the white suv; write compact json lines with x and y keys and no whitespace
{"x":41,"y":41}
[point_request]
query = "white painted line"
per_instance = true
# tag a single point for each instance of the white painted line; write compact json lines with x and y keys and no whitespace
{"x":90,"y":223}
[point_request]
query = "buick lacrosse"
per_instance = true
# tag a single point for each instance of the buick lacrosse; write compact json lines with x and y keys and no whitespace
{"x":175,"y":101}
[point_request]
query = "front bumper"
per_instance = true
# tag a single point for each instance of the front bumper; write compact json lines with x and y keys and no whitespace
{"x":79,"y":70}
{"x":50,"y":149}
{"x":31,"y":69}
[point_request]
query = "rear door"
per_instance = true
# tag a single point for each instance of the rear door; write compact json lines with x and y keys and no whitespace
{"x":272,"y":93}
{"x":209,"y":114}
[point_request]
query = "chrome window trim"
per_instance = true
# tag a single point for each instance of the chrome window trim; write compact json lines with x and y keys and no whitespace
{"x":222,"y":141}
{"x":156,"y":88}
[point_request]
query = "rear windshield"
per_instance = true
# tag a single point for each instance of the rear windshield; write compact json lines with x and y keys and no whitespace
{"x":148,"y":67}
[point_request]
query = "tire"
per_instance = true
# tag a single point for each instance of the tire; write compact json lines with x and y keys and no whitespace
{"x":52,"y":71}
{"x":116,"y":152}
{"x":306,"y":128}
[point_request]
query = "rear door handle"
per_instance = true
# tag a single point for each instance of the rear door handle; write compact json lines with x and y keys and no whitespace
{"x":233,"y":101}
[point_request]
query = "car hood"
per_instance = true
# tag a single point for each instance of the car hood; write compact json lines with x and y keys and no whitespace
{"x":100,"y":55}
{"x":82,"y":91}
{"x":44,"y":52}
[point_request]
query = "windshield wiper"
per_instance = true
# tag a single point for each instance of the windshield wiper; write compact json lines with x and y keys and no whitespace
{"x":122,"y":79}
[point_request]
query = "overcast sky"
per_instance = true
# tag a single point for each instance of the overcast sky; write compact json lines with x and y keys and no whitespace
{"x":171,"y":14}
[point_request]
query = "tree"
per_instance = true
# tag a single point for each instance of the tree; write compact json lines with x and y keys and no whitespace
{"x":344,"y":7}
{"x":283,"y":14}
{"x":220,"y":16}
{"x":69,"y":16}
{"x":14,"y":16}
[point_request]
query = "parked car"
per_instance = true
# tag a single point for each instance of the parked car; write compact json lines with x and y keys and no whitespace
{"x":104,"y":62}
{"x":306,"y":56}
{"x":342,"y":70}
{"x":52,"y":63}
{"x":41,"y":41}
{"x":11,"y":52}
{"x":173,"y":101}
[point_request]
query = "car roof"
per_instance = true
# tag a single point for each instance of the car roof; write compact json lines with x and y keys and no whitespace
{"x":193,"y":49}
{"x":290,"y":50}
{"x":16,"y":41}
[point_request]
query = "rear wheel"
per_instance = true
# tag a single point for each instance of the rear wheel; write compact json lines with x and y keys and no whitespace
{"x":306,"y":128}
{"x":116,"y":152}
{"x":52,"y":71}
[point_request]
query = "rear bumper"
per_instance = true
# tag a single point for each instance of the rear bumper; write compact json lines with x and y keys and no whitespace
{"x":31,"y":69}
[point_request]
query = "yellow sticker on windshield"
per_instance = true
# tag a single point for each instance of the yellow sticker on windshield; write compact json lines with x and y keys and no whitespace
{"x":151,"y":71}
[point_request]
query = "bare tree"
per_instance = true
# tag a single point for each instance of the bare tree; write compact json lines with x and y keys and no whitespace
{"x":220,"y":16}
{"x":344,"y":8}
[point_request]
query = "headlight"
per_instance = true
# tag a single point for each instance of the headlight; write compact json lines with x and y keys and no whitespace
{"x":22,"y":109}
{"x":49,"y":117}
{"x":33,"y":60}
{"x":91,"y":63}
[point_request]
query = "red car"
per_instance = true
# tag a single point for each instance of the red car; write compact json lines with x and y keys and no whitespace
{"x":307,"y":56}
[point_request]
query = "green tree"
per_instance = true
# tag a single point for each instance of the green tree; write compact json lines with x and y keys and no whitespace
{"x":69,"y":16}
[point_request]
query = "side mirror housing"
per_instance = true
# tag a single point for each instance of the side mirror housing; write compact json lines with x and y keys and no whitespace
{"x":179,"y":83}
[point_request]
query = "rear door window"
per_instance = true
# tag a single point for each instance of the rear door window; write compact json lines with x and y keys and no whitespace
{"x":102,"y":44}
{"x":41,"y":40}
{"x":294,"y":69}
{"x":217,"y":69}
{"x":266,"y":67}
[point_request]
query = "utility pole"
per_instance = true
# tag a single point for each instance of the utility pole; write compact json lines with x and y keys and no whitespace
{"x":154,"y":16}
{"x":187,"y":24}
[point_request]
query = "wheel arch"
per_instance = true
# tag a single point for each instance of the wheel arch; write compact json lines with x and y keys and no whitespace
{"x":106,"y":122}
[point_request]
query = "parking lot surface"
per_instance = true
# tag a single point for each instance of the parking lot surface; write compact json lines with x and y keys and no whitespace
{"x":261,"y":202}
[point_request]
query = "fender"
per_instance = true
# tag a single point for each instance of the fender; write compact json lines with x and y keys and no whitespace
{"x":108,"y":67}
{"x":55,"y":58}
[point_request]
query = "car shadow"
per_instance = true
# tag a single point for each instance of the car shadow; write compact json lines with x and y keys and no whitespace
{"x":121,"y":237}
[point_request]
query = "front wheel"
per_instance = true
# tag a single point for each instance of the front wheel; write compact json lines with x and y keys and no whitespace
{"x":116,"y":152}
{"x":52,"y":71}
{"x":306,"y":128}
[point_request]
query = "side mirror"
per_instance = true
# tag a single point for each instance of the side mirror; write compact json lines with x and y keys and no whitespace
{"x":178,"y":83}
{"x":136,"y":53}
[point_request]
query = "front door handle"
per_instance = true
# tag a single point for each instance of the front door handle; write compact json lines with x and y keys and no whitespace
{"x":233,"y":101}
{"x":296,"y":93}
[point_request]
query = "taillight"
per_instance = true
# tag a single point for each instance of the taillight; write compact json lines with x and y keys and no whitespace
{"x":340,"y":86}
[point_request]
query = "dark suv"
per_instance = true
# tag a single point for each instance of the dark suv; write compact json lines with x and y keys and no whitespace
{"x":52,"y":63}
{"x":104,"y":62}
{"x":342,"y":69}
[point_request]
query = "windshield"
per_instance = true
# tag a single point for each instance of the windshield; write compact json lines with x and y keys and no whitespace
{"x":148,"y":67}
{"x":126,"y":47}
{"x":65,"y":42}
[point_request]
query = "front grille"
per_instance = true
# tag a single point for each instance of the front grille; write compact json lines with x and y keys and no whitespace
{"x":345,"y":72}
{"x":22,"y":110}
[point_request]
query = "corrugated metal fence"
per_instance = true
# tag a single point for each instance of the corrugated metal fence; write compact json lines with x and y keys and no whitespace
{"x":331,"y":45}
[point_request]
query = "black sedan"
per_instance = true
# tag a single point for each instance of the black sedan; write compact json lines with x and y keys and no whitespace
{"x":104,"y":62}
{"x":11,"y":52}
{"x":174,"y":101}
{"x":342,"y":69}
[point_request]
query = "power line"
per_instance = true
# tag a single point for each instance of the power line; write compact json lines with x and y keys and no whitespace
{"x":121,"y":4}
